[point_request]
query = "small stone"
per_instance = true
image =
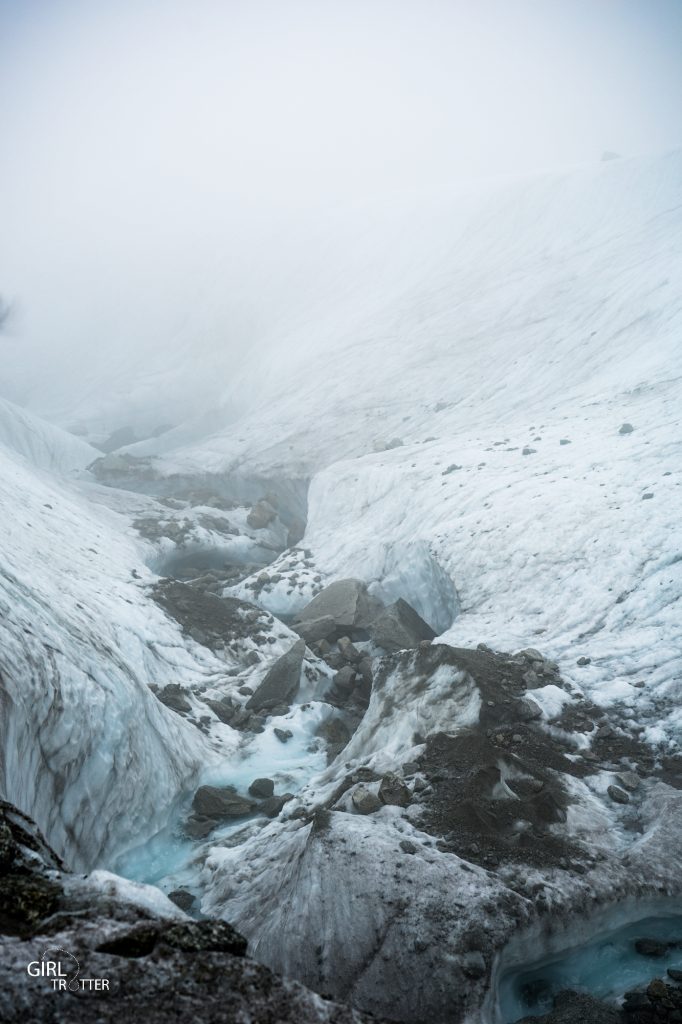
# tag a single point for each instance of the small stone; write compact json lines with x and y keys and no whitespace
{"x":647,"y":496}
{"x":618,"y":795}
{"x":581,"y":662}
{"x":283,"y":735}
{"x":407,"y":847}
{"x":181,"y":898}
{"x":626,"y":428}
{"x":529,"y":451}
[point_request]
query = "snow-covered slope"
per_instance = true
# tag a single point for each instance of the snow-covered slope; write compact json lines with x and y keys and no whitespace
{"x":87,"y":749}
{"x":42,"y":444}
{"x":504,"y":337}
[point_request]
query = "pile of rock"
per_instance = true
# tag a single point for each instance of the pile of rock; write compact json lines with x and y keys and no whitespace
{"x":216,"y":805}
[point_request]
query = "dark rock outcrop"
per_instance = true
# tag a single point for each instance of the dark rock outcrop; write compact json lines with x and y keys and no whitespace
{"x":132,"y":964}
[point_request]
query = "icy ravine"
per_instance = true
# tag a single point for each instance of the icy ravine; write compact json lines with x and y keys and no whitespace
{"x":86,"y":748}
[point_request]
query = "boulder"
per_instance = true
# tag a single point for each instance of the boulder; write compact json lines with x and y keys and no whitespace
{"x":283,"y":735}
{"x":365,"y":801}
{"x":261,"y":515}
{"x":618,"y":795}
{"x":399,"y":627}
{"x":220,"y":802}
{"x":181,"y":898}
{"x":262,"y":788}
{"x":313,"y":630}
{"x":393,"y":791}
{"x":281,"y":681}
{"x":347,"y":602}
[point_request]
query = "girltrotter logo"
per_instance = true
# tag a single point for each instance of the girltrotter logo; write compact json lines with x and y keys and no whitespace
{"x":62,"y":968}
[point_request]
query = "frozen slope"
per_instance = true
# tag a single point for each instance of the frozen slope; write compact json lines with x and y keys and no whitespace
{"x":87,"y":749}
{"x":42,"y":444}
{"x":541,"y":315}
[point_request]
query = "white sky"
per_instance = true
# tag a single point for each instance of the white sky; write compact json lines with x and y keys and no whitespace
{"x":142,"y":141}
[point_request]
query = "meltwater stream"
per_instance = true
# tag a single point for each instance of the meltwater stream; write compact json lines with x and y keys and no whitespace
{"x":168,"y":858}
{"x":606,"y":968}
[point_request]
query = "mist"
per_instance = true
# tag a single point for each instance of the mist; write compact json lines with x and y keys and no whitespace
{"x":167,"y":166}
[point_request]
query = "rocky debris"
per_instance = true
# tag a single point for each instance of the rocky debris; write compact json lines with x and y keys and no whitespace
{"x":173,"y":696}
{"x":577,"y":1008}
{"x":393,"y":791}
{"x":182,"y":898}
{"x":618,"y":795}
{"x":348,"y":603}
{"x":399,"y":627}
{"x":365,"y":801}
{"x":262,"y":788}
{"x":281,"y":682}
{"x":659,"y":1002}
{"x":214,"y":804}
{"x":215,"y":620}
{"x":261,"y":515}
{"x":157,"y":967}
{"x":626,"y":428}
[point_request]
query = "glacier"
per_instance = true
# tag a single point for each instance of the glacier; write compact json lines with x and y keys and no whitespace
{"x":472,"y":404}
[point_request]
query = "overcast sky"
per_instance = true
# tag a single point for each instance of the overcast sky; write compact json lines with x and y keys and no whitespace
{"x":137,"y":133}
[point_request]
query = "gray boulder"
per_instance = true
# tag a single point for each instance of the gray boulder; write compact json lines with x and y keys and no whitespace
{"x":261,"y":515}
{"x":393,"y":791}
{"x":399,"y":627}
{"x":281,"y":681}
{"x":220,"y":802}
{"x":365,"y":801}
{"x":347,"y":602}
{"x":262,"y":788}
{"x":313,"y":630}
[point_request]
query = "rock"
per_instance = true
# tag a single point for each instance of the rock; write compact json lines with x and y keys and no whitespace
{"x":281,"y":681}
{"x":365,"y":801}
{"x":628,"y":780}
{"x":399,"y":627}
{"x":626,"y":428}
{"x":618,"y":795}
{"x":313,"y":630}
{"x":336,"y":734}
{"x":564,"y":440}
{"x":393,"y":791}
{"x":347,"y":602}
{"x":675,"y":974}
{"x":344,"y":681}
{"x":182,"y":898}
{"x":261,"y":515}
{"x":262,"y":788}
{"x":407,"y":847}
{"x":529,"y":451}
{"x":283,"y":735}
{"x":647,"y":496}
{"x":173,"y":696}
{"x":583,"y":661}
{"x":274,"y":804}
{"x":223,"y":709}
{"x":654,"y":948}
{"x":656,"y":990}
{"x":220,"y":802}
{"x":348,"y":649}
{"x":473,"y":964}
{"x":528,"y":710}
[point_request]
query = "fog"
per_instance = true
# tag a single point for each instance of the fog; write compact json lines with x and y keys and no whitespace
{"x":165,"y":163}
